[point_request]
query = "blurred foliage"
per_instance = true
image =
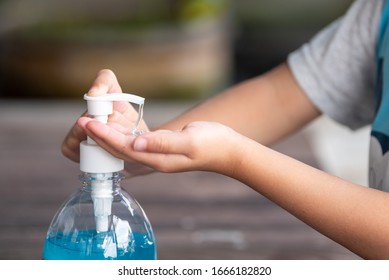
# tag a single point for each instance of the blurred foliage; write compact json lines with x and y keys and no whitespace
{"x":159,"y":48}
{"x":56,"y":18}
{"x":175,"y":48}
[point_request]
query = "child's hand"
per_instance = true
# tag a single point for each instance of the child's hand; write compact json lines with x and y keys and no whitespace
{"x":198,"y":146}
{"x":205,"y":146}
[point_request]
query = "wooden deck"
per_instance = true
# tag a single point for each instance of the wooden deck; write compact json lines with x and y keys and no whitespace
{"x":195,"y":215}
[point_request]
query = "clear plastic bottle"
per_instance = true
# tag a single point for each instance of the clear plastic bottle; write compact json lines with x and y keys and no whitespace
{"x":101,"y":221}
{"x":125,"y":234}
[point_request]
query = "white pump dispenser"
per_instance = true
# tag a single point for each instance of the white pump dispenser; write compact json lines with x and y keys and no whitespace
{"x":93,"y":159}
{"x":97,"y":161}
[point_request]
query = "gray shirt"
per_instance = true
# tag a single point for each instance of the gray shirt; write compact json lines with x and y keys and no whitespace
{"x":336,"y":69}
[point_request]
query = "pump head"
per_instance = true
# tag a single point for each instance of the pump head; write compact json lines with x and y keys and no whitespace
{"x":93,"y":159}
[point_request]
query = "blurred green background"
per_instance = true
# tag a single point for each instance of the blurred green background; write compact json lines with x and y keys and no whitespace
{"x":161,"y":49}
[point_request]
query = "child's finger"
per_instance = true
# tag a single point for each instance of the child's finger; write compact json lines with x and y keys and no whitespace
{"x":163,"y":142}
{"x":121,"y":128}
{"x":71,"y":143}
{"x":104,"y":83}
{"x":109,"y":138}
{"x":118,"y":117}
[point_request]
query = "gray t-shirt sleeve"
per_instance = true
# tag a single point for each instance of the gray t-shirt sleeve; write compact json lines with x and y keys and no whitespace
{"x":336,"y":69}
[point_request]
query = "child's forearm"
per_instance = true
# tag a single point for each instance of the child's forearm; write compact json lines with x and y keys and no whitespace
{"x":357,"y":217}
{"x":265,"y":108}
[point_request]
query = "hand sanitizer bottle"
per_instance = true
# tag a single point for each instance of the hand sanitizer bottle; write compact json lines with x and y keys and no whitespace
{"x":101,"y":221}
